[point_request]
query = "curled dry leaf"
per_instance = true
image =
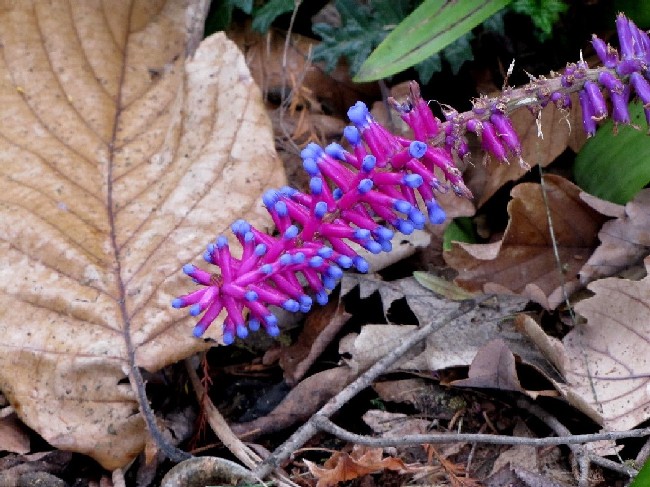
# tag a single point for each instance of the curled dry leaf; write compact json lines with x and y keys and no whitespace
{"x":362,"y":461}
{"x":120,"y":160}
{"x":624,"y":241}
{"x":523,"y":262}
{"x":560,"y":129}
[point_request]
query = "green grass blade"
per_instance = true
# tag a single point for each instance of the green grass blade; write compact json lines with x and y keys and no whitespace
{"x":612,"y":166}
{"x":428,"y":29}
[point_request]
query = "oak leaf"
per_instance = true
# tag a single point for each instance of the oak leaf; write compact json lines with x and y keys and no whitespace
{"x":123,"y":153}
{"x":524,"y":261}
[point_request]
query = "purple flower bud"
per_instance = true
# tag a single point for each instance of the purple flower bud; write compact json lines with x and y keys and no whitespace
{"x":607,"y":55}
{"x":625,"y":36}
{"x":596,"y":100}
{"x":506,"y":132}
{"x":588,"y":122}
{"x":491,"y":142}
{"x":641,"y":87}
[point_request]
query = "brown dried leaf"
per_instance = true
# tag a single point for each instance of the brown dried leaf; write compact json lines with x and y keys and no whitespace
{"x":120,"y":159}
{"x":606,"y":363}
{"x":560,"y":129}
{"x":493,"y":367}
{"x":303,"y":400}
{"x":524,"y":262}
{"x":451,"y":346}
{"x":13,"y":435}
{"x":321,"y":326}
{"x":624,"y":241}
{"x":362,"y":461}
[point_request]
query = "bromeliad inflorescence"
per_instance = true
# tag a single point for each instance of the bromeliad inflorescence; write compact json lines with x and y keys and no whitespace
{"x":385,"y":183}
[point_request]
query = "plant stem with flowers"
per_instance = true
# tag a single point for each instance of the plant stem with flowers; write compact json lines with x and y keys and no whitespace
{"x":383,"y":183}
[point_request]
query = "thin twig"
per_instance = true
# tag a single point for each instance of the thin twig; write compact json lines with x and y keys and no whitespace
{"x":561,"y":430}
{"x":324,"y":424}
{"x":309,"y":429}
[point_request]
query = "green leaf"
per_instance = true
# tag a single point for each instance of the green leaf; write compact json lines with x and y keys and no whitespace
{"x":643,"y":477}
{"x":431,"y":27}
{"x":264,"y":17}
{"x":543,"y":13}
{"x":461,"y":229}
{"x":613,"y":166}
{"x":363,"y":27}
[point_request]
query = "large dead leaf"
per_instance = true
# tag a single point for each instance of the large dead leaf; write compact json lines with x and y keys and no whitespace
{"x":543,"y":139}
{"x":606,"y":362}
{"x":119,"y":161}
{"x":455,"y":345}
{"x":524,"y":261}
{"x":624,"y":241}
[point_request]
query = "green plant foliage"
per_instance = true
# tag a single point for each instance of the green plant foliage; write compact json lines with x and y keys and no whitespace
{"x":643,"y":477}
{"x":461,"y":229}
{"x":220,"y":16}
{"x":363,"y":27}
{"x":615,"y":166}
{"x":265,"y":15}
{"x":543,"y":13}
{"x":427,"y":30}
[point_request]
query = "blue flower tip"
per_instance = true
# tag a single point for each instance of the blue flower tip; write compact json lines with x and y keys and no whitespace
{"x":291,"y":305}
{"x":271,"y":320}
{"x":251,"y":296}
{"x":402,"y":206}
{"x":344,"y":261}
{"x":361,"y":264}
{"x":269,"y":198}
{"x":368,"y":163}
{"x":188,"y":269}
{"x":242,"y":331}
{"x":335,"y":150}
{"x":365,"y":185}
{"x":195,"y":310}
{"x":253,"y":324}
{"x":273,"y":330}
{"x":320,"y":209}
{"x":228,"y":339}
{"x":325,"y":252}
{"x":221,"y":242}
{"x":436,"y":214}
{"x":177,"y":303}
{"x":322,"y":297}
{"x":198,"y":331}
{"x":358,"y":114}
{"x":266,"y":269}
{"x":417,"y":149}
{"x":291,"y":232}
{"x":352,"y":135}
{"x":413,"y":180}
{"x":310,"y":166}
{"x":329,"y":282}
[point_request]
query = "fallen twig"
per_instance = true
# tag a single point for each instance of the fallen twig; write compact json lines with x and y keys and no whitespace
{"x":309,"y":429}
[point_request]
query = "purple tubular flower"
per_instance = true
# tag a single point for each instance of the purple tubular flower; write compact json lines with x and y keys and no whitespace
{"x":596,"y":100}
{"x":608,"y":56}
{"x":588,"y":122}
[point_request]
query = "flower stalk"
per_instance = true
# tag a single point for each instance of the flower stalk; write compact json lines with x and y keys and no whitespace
{"x":383,"y":183}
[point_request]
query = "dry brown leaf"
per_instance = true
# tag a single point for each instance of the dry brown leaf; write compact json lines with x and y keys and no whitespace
{"x":451,"y":346}
{"x":388,"y":424}
{"x":624,"y":241}
{"x":14,"y":437}
{"x":120,"y":160}
{"x":321,"y":326}
{"x":493,"y":367}
{"x":606,"y":362}
{"x":524,"y":262}
{"x":561,"y":130}
{"x":265,"y":56}
{"x":303,"y":401}
{"x":362,"y":461}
